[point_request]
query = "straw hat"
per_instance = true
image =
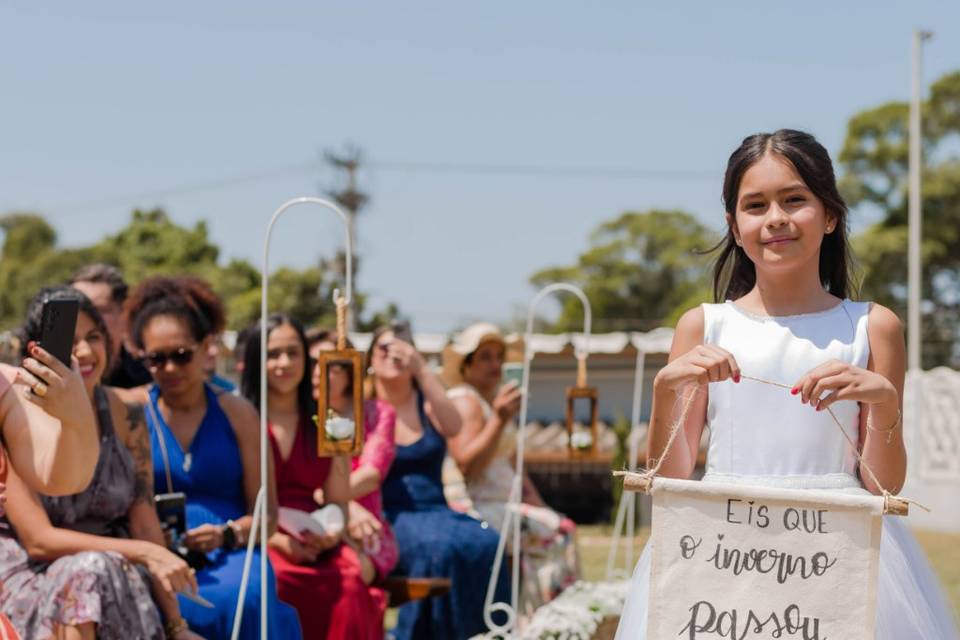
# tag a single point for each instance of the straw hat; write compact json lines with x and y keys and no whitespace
{"x":465,"y":343}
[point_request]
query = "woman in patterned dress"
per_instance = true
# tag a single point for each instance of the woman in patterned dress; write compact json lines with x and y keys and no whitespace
{"x":84,"y":565}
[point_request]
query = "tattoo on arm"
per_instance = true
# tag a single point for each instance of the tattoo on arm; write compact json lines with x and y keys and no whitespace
{"x":139,"y":444}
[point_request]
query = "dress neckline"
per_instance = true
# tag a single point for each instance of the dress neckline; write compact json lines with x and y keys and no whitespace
{"x":797,"y":316}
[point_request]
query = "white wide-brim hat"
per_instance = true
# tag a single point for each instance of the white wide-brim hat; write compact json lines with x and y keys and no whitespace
{"x":465,"y":343}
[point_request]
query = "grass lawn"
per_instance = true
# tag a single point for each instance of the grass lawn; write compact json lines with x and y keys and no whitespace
{"x":942,"y":549}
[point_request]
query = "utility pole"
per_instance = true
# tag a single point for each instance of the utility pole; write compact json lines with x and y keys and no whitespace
{"x":352,"y":200}
{"x":915,"y":217}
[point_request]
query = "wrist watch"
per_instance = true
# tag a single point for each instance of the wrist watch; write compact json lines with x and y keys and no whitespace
{"x":229,"y":535}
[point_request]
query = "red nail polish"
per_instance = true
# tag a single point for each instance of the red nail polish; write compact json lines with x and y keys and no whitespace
{"x":736,"y":378}
{"x":819,"y":408}
{"x":794,"y":391}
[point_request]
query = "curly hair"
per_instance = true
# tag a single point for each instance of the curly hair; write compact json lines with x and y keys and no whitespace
{"x":186,"y":297}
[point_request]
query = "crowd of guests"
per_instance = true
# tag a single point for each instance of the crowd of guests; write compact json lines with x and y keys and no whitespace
{"x":84,"y":554}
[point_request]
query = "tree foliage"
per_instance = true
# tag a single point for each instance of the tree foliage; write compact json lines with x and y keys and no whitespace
{"x":875,"y":163}
{"x":640,"y":271}
{"x":152,"y":244}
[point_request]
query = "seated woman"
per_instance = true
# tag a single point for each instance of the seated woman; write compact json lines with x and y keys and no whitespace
{"x":83,"y":566}
{"x":317,"y":574}
{"x":434,"y":540}
{"x":208,"y":447}
{"x":485,"y":451}
{"x":369,"y":530}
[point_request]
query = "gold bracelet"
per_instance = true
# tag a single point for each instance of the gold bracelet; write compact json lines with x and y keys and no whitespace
{"x":889,"y":430}
{"x":175,"y":626}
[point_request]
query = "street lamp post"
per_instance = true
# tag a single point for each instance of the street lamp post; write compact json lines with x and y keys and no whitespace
{"x":914,"y":266}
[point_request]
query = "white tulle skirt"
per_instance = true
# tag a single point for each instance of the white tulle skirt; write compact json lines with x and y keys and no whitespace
{"x":910,"y":603}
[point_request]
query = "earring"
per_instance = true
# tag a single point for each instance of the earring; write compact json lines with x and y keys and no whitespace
{"x":369,"y":371}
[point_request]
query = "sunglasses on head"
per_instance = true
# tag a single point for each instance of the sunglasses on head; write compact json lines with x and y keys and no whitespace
{"x":179,"y":357}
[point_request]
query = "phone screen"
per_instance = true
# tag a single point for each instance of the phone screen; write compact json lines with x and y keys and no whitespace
{"x":513,"y":372}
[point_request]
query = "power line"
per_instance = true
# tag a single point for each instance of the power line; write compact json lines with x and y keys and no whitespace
{"x":406,"y":166}
{"x":541,"y":170}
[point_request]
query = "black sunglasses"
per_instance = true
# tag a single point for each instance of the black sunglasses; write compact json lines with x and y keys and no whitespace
{"x":179,"y":357}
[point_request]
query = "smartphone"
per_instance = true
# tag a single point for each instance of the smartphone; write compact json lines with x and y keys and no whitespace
{"x":172,"y":511}
{"x":513,"y":372}
{"x":58,"y":322}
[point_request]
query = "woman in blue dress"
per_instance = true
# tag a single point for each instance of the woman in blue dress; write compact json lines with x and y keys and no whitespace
{"x":434,"y":540}
{"x":207,"y":446}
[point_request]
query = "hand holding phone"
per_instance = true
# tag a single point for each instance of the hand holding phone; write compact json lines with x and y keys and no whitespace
{"x":512,"y":372}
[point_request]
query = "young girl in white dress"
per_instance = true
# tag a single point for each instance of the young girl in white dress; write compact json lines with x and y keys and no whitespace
{"x":783,"y":273}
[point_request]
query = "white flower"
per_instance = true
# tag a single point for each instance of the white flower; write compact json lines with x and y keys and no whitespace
{"x":581,"y":440}
{"x":339,"y":428}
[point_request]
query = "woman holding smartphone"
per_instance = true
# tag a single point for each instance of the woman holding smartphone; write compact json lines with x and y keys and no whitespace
{"x":485,"y":449}
{"x":84,"y":565}
{"x":434,"y":540}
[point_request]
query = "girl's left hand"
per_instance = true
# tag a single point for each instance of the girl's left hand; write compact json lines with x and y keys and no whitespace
{"x":843,"y":381}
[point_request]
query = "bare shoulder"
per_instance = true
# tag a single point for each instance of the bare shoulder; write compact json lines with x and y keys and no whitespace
{"x":691,"y":323}
{"x":884,"y":324}
{"x":241,"y":413}
{"x":126,"y":411}
{"x":468,"y":405}
{"x":689,"y":332}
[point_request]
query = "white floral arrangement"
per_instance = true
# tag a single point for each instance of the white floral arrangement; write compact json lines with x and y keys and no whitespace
{"x":336,"y":427}
{"x":575,"y":614}
{"x":581,"y":440}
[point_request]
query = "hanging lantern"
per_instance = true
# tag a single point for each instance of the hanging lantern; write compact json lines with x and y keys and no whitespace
{"x":582,"y":443}
{"x":339,"y":435}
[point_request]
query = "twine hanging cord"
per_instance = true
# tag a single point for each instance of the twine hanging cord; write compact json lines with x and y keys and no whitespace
{"x":341,"y":323}
{"x":891,"y":503}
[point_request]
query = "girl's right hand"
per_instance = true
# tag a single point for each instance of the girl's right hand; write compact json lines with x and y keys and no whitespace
{"x":702,"y":364}
{"x":169,"y":570}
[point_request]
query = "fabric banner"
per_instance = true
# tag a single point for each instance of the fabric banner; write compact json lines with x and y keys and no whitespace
{"x":748,"y":563}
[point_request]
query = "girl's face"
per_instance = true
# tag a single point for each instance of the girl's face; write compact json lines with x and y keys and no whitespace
{"x":90,"y":350}
{"x":286,"y":360}
{"x":779,"y":222}
{"x":337,"y":377}
{"x":486,"y":366}
{"x":174,"y":358}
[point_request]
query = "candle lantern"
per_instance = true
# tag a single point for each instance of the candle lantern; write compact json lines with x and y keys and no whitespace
{"x":340,"y":435}
{"x":582,"y":443}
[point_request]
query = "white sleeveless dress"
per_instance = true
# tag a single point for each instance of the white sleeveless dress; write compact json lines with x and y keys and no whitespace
{"x":760,"y":434}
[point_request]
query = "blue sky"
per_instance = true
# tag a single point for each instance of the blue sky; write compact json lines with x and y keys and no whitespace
{"x":110,"y":106}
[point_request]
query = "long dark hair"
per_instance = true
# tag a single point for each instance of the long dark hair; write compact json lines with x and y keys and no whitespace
{"x":250,"y":381}
{"x":734,"y":274}
{"x":32,"y":326}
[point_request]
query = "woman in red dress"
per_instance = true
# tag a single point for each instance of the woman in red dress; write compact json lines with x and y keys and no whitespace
{"x":318,"y":574}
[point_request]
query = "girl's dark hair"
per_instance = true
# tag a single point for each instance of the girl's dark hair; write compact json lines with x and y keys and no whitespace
{"x":734,"y":274}
{"x":33,"y":325}
{"x":250,"y":381}
{"x":186,"y":297}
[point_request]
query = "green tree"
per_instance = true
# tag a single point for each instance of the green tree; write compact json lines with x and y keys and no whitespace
{"x":153,"y":244}
{"x":640,"y":272}
{"x":875,"y":164}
